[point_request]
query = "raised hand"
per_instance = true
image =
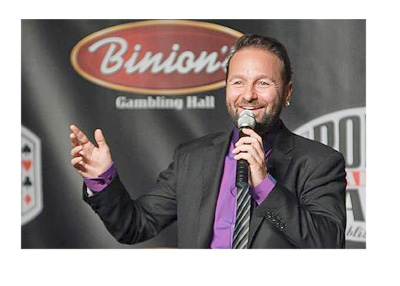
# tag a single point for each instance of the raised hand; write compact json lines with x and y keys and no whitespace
{"x":89,"y":161}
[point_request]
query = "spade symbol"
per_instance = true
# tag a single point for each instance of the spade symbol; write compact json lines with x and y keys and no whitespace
{"x":26,"y":149}
{"x":27,"y":182}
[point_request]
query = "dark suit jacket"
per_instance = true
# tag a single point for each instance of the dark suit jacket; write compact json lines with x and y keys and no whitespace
{"x":306,"y":208}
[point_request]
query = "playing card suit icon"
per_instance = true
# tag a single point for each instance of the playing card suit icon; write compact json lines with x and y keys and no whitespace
{"x":27,"y":199}
{"x":26,"y":149}
{"x":27,"y":182}
{"x":27,"y":164}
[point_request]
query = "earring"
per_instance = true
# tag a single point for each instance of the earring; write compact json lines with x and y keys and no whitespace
{"x":287,"y":104}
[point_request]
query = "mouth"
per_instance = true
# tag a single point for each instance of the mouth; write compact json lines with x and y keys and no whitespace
{"x":251,"y":108}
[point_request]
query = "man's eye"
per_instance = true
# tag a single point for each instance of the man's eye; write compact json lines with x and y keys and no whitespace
{"x":263,"y":83}
{"x":238,"y":82}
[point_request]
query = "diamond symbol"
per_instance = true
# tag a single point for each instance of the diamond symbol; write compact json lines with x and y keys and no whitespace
{"x":27,"y":199}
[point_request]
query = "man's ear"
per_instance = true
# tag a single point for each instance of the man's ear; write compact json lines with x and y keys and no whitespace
{"x":287,"y":94}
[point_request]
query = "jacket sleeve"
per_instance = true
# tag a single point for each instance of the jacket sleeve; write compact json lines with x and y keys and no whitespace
{"x":315,"y":215}
{"x":133,"y":221}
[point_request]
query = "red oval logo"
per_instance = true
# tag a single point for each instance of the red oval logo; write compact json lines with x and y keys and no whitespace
{"x":156,"y":57}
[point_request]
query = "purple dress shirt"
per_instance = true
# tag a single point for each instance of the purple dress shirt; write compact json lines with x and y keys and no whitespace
{"x":225,"y":211}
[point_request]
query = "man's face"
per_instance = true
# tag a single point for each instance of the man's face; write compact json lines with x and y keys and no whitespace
{"x":255,"y":83}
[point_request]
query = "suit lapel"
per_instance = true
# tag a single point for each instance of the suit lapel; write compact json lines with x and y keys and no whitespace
{"x":213,"y":158}
{"x":277,"y":165}
{"x":280,"y":158}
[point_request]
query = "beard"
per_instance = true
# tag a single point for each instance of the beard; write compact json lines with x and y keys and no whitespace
{"x":265,"y":123}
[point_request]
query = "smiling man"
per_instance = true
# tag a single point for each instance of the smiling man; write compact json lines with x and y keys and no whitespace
{"x":296,"y":197}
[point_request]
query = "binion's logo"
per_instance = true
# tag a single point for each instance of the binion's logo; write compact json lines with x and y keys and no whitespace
{"x":156,"y":57}
{"x":345,"y":131}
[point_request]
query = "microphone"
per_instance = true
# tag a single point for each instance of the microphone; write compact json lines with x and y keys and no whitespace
{"x":246,"y":120}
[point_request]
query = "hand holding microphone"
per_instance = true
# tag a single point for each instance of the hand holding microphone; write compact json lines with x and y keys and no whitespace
{"x":249,"y":152}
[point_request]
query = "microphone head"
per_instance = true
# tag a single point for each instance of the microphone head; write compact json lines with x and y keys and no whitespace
{"x":246,"y":119}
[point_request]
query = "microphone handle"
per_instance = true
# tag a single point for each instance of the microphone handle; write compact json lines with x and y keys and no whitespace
{"x":242,"y":169}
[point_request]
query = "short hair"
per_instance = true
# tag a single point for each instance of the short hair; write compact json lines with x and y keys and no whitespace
{"x":268,"y":44}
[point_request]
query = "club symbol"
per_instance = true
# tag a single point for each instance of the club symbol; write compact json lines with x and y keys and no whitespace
{"x":27,"y":182}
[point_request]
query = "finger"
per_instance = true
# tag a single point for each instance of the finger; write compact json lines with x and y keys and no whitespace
{"x":81,"y":170}
{"x":100,"y":140}
{"x":252,"y":142}
{"x":75,"y":151}
{"x":82,"y":138}
{"x":76,"y":160}
{"x":251,"y":151}
{"x":80,"y":167}
{"x":252,"y":133}
{"x":74,"y":140}
{"x":87,"y":170}
{"x":242,"y":148}
{"x":83,"y":167}
{"x":246,"y":156}
{"x":246,"y":140}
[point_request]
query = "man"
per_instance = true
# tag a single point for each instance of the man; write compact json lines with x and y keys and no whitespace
{"x":297,"y":186}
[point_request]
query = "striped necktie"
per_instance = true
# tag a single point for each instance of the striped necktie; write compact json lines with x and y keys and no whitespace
{"x":242,"y":225}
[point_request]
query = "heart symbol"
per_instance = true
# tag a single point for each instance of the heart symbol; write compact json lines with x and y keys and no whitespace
{"x":27,"y":164}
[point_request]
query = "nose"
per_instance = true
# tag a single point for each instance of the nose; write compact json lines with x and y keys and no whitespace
{"x":250,"y":93}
